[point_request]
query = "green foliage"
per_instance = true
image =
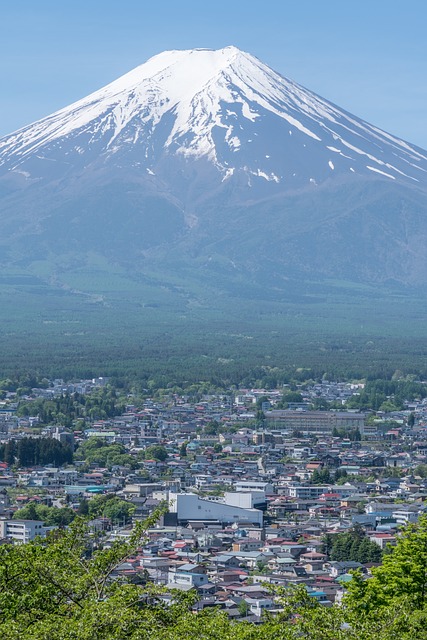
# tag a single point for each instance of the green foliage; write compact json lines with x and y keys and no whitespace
{"x":56,"y":589}
{"x":289,"y":396}
{"x":353,"y":545}
{"x":28,"y":452}
{"x":65,"y":409}
{"x":243,"y":608}
{"x":112,"y":507}
{"x":341,"y":476}
{"x":321,"y":476}
{"x":421,"y":470}
{"x":83,"y":509}
{"x":64,"y":588}
{"x":156,"y":452}
{"x":351,"y":434}
{"x":387,"y":395}
{"x":98,"y":451}
{"x":402,"y":575}
{"x":51,"y":516}
{"x":212,"y":428}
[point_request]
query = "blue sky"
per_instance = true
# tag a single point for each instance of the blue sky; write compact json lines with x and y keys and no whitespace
{"x":369,"y":57}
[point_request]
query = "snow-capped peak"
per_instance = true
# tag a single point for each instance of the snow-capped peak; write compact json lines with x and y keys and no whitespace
{"x":223,"y":105}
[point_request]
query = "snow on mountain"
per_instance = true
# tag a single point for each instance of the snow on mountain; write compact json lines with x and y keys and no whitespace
{"x":225,"y":107}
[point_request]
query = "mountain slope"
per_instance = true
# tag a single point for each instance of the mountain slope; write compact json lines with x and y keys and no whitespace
{"x":209,"y":165}
{"x":225,"y":106}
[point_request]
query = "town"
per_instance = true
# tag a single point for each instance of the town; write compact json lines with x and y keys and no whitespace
{"x":289,"y":486}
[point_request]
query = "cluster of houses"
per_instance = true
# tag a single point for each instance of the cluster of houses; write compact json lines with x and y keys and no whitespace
{"x":251,"y":497}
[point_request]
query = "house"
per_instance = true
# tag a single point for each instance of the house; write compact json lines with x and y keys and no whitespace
{"x":187,"y":576}
{"x":339,"y":568}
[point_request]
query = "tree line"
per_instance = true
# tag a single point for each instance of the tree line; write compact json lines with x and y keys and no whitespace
{"x":352,"y":545}
{"x":29,"y":452}
{"x":65,"y":409}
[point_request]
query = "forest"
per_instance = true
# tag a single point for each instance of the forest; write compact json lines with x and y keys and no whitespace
{"x":352,"y":545}
{"x":27,"y":452}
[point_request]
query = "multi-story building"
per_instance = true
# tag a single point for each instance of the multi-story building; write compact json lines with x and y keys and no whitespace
{"x":22,"y":531}
{"x":315,"y":422}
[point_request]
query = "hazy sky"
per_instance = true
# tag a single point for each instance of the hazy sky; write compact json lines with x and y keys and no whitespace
{"x":367,"y":56}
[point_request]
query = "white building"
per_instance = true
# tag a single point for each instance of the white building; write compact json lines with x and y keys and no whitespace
{"x":246,"y":499}
{"x":187,"y":576}
{"x":266,"y":487}
{"x":188,"y":506}
{"x":22,"y":531}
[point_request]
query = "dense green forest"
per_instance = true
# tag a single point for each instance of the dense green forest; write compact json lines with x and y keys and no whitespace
{"x":69,"y":337}
{"x":352,"y":545}
{"x":63,"y":587}
{"x":27,"y":452}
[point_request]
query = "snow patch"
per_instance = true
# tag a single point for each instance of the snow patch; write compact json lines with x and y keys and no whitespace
{"x":234,"y":143}
{"x":247,"y":113}
{"x":270,"y":177}
{"x":228,"y":174}
{"x":383,"y":173}
{"x":331,"y":164}
{"x":26,"y":174}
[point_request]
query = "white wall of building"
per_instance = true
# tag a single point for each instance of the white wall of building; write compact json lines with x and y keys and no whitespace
{"x":246,"y":499}
{"x":188,"y":506}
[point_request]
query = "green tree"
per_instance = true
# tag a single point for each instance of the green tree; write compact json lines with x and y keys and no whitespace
{"x":50,"y":516}
{"x":211,"y":428}
{"x":57,"y":590}
{"x":290,"y":397}
{"x":402,"y":575}
{"x":421,"y":470}
{"x":112,"y":507}
{"x":321,"y":476}
{"x":156,"y":452}
{"x":243,"y":607}
{"x":64,"y":588}
{"x":83,"y":509}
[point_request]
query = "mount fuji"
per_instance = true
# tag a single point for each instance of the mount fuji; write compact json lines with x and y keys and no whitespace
{"x":203,"y":169}
{"x":223,"y":106}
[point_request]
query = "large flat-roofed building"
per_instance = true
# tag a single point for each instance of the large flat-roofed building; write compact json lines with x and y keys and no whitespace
{"x":316,"y":422}
{"x":22,"y":531}
{"x":189,"y":507}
